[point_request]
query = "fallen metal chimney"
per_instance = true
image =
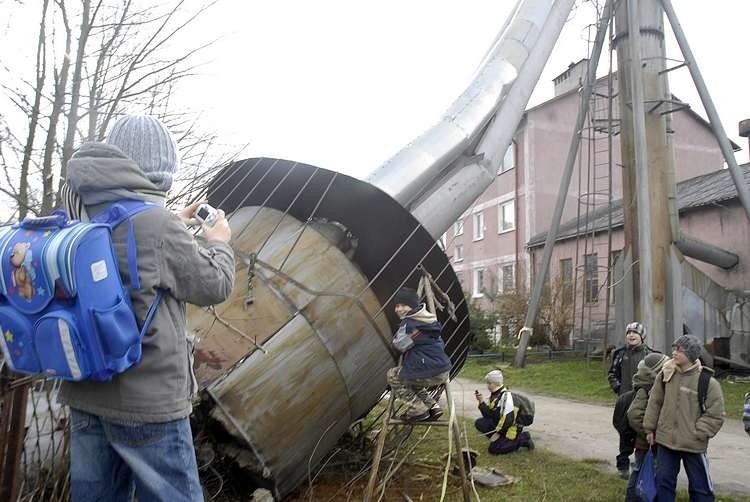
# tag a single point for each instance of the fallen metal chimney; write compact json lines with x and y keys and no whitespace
{"x":321,"y":254}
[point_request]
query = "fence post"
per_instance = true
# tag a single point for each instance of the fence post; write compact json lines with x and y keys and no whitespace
{"x":12,"y":432}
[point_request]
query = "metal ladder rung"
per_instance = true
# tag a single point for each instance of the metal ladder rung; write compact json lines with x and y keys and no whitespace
{"x":388,"y":421}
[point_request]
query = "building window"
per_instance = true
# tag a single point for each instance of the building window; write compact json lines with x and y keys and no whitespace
{"x":506,"y":216}
{"x":479,"y":226}
{"x":460,"y":277}
{"x":478,"y":285}
{"x":566,"y":280}
{"x":590,"y":278}
{"x":443,"y":241}
{"x":458,"y":228}
{"x":507,"y":278}
{"x":509,"y":159}
{"x":458,"y":255}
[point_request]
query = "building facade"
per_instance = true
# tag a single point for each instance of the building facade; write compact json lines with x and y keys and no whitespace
{"x":488,"y":244}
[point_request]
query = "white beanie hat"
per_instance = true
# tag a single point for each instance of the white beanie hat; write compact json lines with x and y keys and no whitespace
{"x":148,"y":143}
{"x":494,"y":377}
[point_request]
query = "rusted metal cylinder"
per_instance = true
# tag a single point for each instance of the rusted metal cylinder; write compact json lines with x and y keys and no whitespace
{"x":327,"y":253}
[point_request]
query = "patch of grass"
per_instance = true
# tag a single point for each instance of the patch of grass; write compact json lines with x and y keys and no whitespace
{"x":580,"y":379}
{"x":540,"y":474}
{"x":734,"y":397}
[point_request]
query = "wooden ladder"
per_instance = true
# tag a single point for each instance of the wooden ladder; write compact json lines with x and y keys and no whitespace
{"x":388,"y":421}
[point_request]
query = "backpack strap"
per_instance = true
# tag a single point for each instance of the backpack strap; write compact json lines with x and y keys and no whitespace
{"x":151,"y":312}
{"x":703,"y":380}
{"x":115,"y":214}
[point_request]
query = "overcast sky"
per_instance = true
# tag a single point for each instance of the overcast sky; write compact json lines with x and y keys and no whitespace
{"x":343,"y":85}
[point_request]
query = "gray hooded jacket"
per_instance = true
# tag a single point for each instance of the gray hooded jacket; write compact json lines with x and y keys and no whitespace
{"x":189,"y":270}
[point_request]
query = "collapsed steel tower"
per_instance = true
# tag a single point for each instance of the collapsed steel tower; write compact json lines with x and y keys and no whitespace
{"x":301,"y":348}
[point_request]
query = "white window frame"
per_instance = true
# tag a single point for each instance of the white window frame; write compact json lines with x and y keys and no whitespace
{"x":478,"y":225}
{"x":458,"y":227}
{"x":509,"y":159}
{"x":460,"y":277}
{"x":458,"y":253}
{"x":501,"y":221}
{"x":476,"y":284}
{"x":443,"y":241}
{"x":501,"y":276}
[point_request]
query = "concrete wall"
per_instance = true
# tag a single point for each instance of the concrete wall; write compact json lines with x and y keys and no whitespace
{"x":724,"y":226}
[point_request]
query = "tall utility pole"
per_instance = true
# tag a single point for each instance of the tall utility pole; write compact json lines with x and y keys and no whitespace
{"x":648,"y":181}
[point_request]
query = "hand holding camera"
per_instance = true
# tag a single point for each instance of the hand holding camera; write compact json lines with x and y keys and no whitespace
{"x":212,"y":221}
{"x":479,"y":396}
{"x":215,"y":225}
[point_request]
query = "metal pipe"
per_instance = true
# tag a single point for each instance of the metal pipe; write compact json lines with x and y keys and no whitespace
{"x":641,"y":168}
{"x":562,"y":192}
{"x":707,"y":253}
{"x":516,"y":61}
{"x":708,"y":105}
{"x":465,"y":181}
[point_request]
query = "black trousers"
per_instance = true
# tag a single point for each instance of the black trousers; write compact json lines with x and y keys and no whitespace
{"x":627,"y":447}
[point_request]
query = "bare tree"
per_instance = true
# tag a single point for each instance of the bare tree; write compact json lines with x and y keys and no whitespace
{"x":129,"y":58}
{"x":41,"y":73}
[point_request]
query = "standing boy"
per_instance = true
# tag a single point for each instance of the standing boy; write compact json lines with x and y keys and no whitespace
{"x":624,"y":364}
{"x":681,"y":423}
{"x":424,"y":363}
{"x":132,"y":434}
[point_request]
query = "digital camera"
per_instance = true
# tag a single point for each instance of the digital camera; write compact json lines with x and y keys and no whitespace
{"x":206,"y":215}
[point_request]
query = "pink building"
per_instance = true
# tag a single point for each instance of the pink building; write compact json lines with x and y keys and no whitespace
{"x":488,"y":244}
{"x":709,"y":210}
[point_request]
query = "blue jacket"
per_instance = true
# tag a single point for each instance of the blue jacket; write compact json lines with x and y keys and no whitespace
{"x":425,"y":356}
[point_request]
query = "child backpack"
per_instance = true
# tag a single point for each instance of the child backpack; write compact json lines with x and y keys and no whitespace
{"x":64,"y":311}
{"x":525,"y":415}
{"x":620,"y":414}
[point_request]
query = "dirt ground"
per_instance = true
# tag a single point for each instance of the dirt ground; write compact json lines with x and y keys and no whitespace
{"x":584,"y":431}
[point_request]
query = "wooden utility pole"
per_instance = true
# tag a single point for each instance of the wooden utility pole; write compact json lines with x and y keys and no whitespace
{"x":648,"y":172}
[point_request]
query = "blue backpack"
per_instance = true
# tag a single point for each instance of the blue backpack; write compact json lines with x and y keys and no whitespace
{"x":64,"y":311}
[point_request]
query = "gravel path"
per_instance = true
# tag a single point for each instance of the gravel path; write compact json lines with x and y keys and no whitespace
{"x":584,"y":431}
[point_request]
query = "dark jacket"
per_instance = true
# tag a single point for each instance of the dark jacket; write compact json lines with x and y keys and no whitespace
{"x":624,"y":364}
{"x":502,"y":411}
{"x":426,"y":356}
{"x":159,"y":388}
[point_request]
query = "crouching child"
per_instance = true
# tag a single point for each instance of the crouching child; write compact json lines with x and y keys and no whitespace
{"x":424,"y":365}
{"x":498,"y":420}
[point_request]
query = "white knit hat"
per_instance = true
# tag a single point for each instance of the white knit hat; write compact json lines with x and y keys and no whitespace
{"x":494,"y":377}
{"x":148,"y":143}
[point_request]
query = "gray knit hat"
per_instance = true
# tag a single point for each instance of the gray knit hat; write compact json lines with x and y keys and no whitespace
{"x":494,"y":377}
{"x":651,"y":365}
{"x":148,"y":142}
{"x":690,"y":345}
